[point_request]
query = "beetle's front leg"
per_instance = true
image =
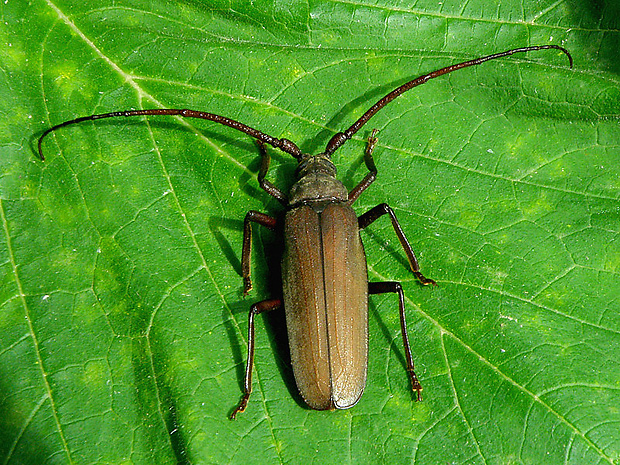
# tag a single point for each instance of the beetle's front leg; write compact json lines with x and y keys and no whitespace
{"x":262,"y":173}
{"x":372,"y":169}
{"x":251,"y":217}
{"x":392,"y":286}
{"x":256,"y":309}
{"x":383,"y":209}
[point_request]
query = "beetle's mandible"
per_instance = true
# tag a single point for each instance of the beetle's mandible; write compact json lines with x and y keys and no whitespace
{"x":324,"y":275}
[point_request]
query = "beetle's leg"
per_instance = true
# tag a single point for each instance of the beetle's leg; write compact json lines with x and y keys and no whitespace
{"x":251,"y":217}
{"x":392,"y":286}
{"x":262,"y":173}
{"x":372,"y":168}
{"x":257,"y":308}
{"x":371,"y":215}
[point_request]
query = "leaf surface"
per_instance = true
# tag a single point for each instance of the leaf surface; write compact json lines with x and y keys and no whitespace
{"x":122,"y":325}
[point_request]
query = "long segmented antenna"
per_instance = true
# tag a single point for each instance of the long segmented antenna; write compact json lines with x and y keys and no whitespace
{"x":286,"y":145}
{"x":283,"y":144}
{"x":340,"y":138}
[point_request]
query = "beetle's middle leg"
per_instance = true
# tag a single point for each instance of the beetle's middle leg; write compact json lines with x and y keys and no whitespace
{"x":251,"y":217}
{"x":383,"y":209}
{"x":256,"y":309}
{"x":395,"y":287}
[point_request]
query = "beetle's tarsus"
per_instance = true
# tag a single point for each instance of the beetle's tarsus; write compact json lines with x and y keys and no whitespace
{"x":424,"y":280}
{"x":247,"y":285}
{"x":415,"y":385}
{"x":372,"y":140}
{"x":418,"y":391}
{"x":241,"y":407}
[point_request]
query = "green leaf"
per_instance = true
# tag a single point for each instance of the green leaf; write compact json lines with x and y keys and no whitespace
{"x":122,"y":326}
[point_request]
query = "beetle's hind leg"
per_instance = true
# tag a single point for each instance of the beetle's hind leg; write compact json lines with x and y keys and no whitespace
{"x":251,"y":217}
{"x":395,"y":287}
{"x":256,"y":309}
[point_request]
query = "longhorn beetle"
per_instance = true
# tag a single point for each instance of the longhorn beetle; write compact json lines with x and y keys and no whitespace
{"x":324,"y":274}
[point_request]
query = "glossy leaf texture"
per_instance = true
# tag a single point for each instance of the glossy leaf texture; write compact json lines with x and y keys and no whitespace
{"x":122,"y":324}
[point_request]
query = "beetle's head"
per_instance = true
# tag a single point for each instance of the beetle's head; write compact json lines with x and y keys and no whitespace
{"x":316,"y":183}
{"x":315,"y":164}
